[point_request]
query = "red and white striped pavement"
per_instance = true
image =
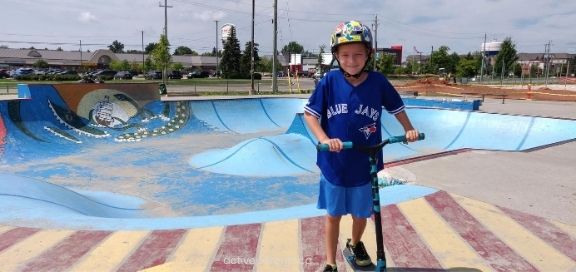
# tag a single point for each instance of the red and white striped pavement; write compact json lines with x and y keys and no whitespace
{"x":434,"y":233}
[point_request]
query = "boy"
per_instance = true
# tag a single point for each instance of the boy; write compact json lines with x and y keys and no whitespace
{"x":346,"y":106}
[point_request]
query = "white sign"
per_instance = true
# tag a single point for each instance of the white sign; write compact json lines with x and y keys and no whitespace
{"x":295,"y":59}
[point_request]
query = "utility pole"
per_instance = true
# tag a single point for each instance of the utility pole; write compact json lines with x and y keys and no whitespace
{"x":165,"y":6}
{"x":81,"y":69}
{"x":567,"y":71}
{"x":217,"y":60}
{"x":502,"y":72}
{"x":143,"y":61}
{"x":547,"y":61}
{"x":430,"y":68}
{"x":252,"y":54}
{"x":483,"y":58}
{"x":375,"y":40}
{"x":274,"y":56}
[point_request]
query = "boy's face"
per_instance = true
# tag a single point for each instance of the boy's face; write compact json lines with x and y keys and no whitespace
{"x":352,"y":57}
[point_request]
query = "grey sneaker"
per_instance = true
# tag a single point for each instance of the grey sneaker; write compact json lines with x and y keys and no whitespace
{"x":360,"y":255}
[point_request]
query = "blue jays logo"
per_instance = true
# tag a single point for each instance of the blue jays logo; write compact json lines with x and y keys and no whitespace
{"x":368,"y":130}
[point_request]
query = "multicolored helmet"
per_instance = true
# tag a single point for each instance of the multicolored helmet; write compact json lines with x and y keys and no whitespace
{"x":351,"y":32}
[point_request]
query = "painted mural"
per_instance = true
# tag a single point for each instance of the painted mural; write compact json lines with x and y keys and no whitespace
{"x":74,"y":113}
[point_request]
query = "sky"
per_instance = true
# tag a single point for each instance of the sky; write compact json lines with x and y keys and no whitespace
{"x":417,"y":25}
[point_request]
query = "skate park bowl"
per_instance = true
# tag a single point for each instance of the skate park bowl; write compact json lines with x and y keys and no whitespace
{"x":118,"y":156}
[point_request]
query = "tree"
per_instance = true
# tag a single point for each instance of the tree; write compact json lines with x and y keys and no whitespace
{"x":133,"y":51}
{"x":148,"y":65}
{"x":453,"y":60}
{"x":245,"y":63}
{"x":507,"y":57}
{"x":150,"y":47}
{"x":292,"y":48}
{"x":441,"y":59}
{"x":116,"y":47}
{"x":212,"y":53}
{"x":385,"y":64}
{"x":40,"y":64}
{"x":265,"y":65}
{"x":230,"y":62}
{"x":183,"y":50}
{"x":177,"y":66}
{"x":469,"y":65}
{"x":120,"y":65}
{"x":161,"y":54}
{"x":136,"y":67}
{"x":320,"y":59}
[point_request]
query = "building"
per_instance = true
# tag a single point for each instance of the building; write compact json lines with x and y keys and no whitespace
{"x":558,"y":64}
{"x":394,"y":50}
{"x":72,"y":60}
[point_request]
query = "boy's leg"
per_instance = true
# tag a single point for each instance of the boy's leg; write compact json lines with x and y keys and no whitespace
{"x":358,"y":227}
{"x":355,"y":245}
{"x":332,"y":231}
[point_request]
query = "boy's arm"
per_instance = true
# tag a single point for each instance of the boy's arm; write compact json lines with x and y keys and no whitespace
{"x":314,"y":125}
{"x":411,"y":133}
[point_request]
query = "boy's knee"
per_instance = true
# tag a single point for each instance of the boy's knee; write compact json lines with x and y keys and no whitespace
{"x":359,"y":219}
{"x":333,"y":219}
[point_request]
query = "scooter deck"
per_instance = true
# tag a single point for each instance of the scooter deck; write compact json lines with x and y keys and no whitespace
{"x":350,"y":259}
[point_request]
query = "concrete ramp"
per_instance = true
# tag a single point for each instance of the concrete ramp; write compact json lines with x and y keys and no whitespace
{"x":282,"y":155}
{"x":199,"y":157}
{"x":247,"y":115}
{"x":39,"y":194}
{"x":446,"y":130}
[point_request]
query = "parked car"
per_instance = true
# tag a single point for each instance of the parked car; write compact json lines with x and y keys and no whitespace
{"x":198,"y":74}
{"x":175,"y":75}
{"x":104,"y":74}
{"x":22,"y":72}
{"x":68,"y":72}
{"x":4,"y":73}
{"x":153,"y":75}
{"x":123,"y":75}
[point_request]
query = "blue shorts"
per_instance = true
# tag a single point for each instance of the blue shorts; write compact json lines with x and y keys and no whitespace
{"x":338,"y":200}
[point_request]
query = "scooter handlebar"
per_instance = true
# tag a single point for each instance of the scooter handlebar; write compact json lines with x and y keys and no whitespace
{"x":398,"y":139}
{"x":391,"y":140}
{"x":326,"y":147}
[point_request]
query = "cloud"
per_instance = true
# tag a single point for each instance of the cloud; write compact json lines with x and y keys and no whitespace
{"x":426,"y":19}
{"x":87,"y":17}
{"x":526,"y":22}
{"x":210,"y":15}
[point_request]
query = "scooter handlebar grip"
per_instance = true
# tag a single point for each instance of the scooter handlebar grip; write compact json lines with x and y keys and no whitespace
{"x":398,"y":139}
{"x":325,"y":147}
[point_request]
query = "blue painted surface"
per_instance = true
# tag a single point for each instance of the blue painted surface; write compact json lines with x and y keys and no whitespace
{"x":455,"y":104}
{"x":84,"y":210}
{"x":23,"y":91}
{"x":232,"y":182}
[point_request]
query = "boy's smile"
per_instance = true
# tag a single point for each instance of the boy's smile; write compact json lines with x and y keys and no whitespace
{"x":352,"y":57}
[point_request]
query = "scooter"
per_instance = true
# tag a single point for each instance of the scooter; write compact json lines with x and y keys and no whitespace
{"x":372,"y":151}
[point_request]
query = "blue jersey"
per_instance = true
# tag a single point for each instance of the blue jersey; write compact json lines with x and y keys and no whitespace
{"x":351,"y":114}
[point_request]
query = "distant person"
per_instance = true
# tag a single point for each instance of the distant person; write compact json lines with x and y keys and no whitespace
{"x":347,"y":106}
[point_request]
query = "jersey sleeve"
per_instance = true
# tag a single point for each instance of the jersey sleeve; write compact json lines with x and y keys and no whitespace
{"x":316,"y":101}
{"x":392,"y":101}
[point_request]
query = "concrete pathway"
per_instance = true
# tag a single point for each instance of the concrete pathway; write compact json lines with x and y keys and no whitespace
{"x":439,"y":232}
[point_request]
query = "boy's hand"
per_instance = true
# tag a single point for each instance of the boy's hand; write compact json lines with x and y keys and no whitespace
{"x":334,"y":144}
{"x":412,"y":135}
